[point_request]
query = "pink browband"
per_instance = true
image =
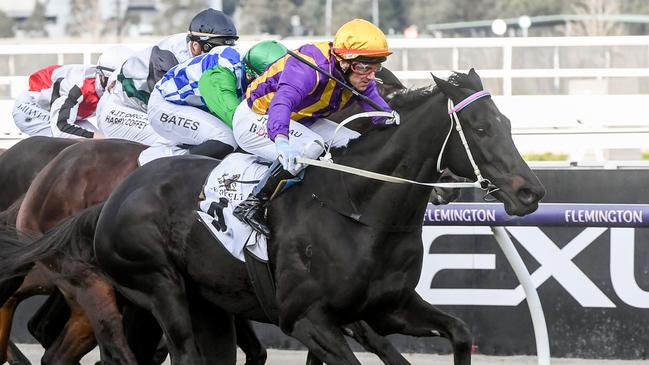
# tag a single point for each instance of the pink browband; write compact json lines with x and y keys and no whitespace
{"x":470,"y":99}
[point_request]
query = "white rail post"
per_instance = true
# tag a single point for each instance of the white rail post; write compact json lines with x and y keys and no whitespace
{"x":533,"y":301}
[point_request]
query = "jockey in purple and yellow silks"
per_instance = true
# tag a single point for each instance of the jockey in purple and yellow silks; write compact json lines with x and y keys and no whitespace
{"x":311,"y":95}
{"x":288,"y":104}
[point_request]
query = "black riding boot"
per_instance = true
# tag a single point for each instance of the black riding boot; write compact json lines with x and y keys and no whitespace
{"x":251,"y":210}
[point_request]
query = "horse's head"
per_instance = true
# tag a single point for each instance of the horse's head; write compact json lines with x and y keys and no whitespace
{"x":489,"y":140}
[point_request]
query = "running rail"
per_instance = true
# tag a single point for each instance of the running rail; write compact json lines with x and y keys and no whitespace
{"x":548,"y":214}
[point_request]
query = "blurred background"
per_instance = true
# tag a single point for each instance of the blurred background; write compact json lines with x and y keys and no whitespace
{"x":572,"y":75}
{"x":102,"y":19}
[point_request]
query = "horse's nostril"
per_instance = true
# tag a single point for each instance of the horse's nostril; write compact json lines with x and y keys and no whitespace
{"x":526,"y":196}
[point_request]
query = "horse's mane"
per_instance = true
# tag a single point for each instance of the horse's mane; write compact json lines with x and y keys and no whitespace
{"x":404,"y":98}
{"x":407,"y":97}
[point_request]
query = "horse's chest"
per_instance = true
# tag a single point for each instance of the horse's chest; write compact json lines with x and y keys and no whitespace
{"x":376,"y":279}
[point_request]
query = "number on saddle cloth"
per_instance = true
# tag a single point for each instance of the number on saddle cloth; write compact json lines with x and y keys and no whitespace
{"x":225,"y":187}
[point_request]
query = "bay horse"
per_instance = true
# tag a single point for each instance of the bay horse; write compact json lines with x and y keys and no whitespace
{"x":331,"y":267}
{"x":18,"y":167}
{"x":83,"y":176}
{"x":20,"y":164}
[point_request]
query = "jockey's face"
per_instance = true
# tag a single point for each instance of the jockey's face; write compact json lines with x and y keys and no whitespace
{"x":362,"y":73}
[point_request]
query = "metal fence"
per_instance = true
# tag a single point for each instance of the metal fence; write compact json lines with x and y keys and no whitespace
{"x":591,"y":91}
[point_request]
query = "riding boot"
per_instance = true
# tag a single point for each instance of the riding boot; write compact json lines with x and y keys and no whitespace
{"x":251,"y":210}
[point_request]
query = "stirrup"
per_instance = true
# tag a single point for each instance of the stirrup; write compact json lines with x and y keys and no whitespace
{"x":244,"y":208}
{"x":256,"y":220}
{"x":247,"y":211}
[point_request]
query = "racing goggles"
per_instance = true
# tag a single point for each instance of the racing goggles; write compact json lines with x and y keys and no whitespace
{"x":363,"y":68}
{"x":212,"y":40}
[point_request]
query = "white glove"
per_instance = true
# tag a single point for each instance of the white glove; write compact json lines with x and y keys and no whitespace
{"x":287,"y":155}
{"x":394,"y":119}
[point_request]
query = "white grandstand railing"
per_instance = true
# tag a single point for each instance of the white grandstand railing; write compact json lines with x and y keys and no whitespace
{"x":545,"y":115}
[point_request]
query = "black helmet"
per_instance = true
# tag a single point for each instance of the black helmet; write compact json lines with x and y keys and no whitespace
{"x":212,"y":28}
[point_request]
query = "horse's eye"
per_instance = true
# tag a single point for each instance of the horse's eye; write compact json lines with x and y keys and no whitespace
{"x":481,"y":131}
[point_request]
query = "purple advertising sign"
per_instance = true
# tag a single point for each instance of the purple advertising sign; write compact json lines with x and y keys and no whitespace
{"x":548,"y":214}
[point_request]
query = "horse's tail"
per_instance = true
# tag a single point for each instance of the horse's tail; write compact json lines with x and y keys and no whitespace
{"x":8,"y":216}
{"x":72,"y":237}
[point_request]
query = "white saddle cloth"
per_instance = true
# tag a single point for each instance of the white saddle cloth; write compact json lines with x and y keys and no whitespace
{"x":227,"y":185}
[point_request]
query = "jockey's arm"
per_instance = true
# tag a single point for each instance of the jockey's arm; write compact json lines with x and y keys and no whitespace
{"x":143,"y":69}
{"x":218,"y":86}
{"x":296,"y":83}
{"x":372,"y":93}
{"x":64,"y":109}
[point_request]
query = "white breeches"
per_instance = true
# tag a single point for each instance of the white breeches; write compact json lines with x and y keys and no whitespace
{"x":250,"y":133}
{"x":184,"y":124}
{"x":34,"y":120}
{"x":119,"y":119}
{"x":31,"y":118}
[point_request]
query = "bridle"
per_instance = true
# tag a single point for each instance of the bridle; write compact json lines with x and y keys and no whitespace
{"x":485,"y":184}
{"x":481,"y":183}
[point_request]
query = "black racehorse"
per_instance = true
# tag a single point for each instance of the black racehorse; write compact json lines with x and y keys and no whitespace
{"x":344,"y":248}
{"x":83,"y":177}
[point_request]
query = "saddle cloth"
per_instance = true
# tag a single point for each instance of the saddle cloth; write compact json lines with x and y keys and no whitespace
{"x":226,"y":186}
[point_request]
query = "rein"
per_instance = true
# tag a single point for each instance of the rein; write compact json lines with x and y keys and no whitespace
{"x":326,"y":161}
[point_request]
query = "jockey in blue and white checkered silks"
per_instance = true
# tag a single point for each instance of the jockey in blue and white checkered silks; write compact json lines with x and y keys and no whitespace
{"x":194,"y":103}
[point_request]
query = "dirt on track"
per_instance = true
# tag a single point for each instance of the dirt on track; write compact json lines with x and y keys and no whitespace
{"x":285,"y":357}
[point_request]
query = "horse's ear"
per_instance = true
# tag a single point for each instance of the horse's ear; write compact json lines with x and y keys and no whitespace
{"x":475,"y":80}
{"x":448,"y":89}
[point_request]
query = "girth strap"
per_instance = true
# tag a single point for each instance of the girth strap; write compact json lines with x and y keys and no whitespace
{"x":263,"y":283}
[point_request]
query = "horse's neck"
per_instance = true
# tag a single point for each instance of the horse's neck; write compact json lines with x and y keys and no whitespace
{"x":409,"y":151}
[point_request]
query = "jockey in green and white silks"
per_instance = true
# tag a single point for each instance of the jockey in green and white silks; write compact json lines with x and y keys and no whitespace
{"x":122,"y":112}
{"x":193,"y":104}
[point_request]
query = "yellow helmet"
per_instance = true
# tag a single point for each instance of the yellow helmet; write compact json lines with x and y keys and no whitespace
{"x":361,"y":40}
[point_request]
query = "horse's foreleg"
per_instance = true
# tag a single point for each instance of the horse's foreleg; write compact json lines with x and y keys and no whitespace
{"x":418,"y":318}
{"x":50,"y":319}
{"x":34,"y":283}
{"x":375,"y":343}
{"x":248,"y":342}
{"x":6,"y":318}
{"x":325,"y":340}
{"x":213,"y":332}
{"x":97,"y":297}
{"x":74,"y":342}
{"x":15,"y":356}
{"x":143,"y":334}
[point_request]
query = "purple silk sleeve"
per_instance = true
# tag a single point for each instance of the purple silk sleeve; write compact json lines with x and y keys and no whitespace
{"x":295,"y":83}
